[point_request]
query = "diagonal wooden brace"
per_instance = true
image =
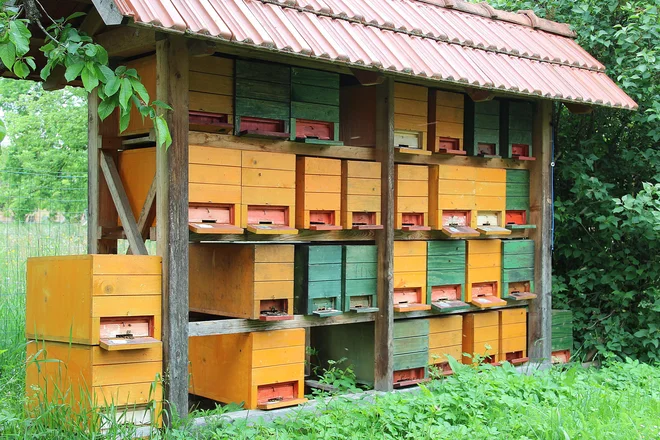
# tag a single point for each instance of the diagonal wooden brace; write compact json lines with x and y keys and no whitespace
{"x":120,"y":198}
{"x":147,"y":215}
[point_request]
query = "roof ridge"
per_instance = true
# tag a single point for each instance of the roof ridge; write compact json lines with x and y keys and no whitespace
{"x":523,"y":17}
{"x":293,"y":4}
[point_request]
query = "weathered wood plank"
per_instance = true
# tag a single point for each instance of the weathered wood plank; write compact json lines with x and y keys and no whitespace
{"x":172,"y":224}
{"x":147,"y":215}
{"x":383,"y":375}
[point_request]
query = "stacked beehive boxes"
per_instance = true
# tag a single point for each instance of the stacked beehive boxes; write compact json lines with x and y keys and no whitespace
{"x":516,"y":133}
{"x":410,"y":276}
{"x":482,"y":128}
{"x":315,"y":106}
{"x":491,"y":201}
{"x":445,"y":339}
{"x":318,"y":288}
{"x":410,"y":118}
{"x":446,"y":127}
{"x":264,"y":370}
{"x":513,"y":336}
{"x":518,"y":269}
{"x":452,"y":200}
{"x":446,"y":262}
{"x":242,"y":281}
{"x":411,"y":197}
{"x":94,"y":322}
{"x":481,"y":336}
{"x":359,"y":278}
{"x":360,"y":195}
{"x":517,"y":200}
{"x":318,"y":193}
{"x":484,"y":273}
{"x":562,"y":335}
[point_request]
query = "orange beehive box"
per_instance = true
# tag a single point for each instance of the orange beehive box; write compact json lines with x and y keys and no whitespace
{"x":360,"y":195}
{"x":214,"y":186}
{"x":87,"y":377}
{"x":318,"y":193}
{"x":410,"y":276}
{"x":481,"y":336}
{"x":268,"y":192}
{"x":242,"y":281}
{"x":447,"y":113}
{"x":452,"y":200}
{"x":445,"y":338}
{"x":490,"y":200}
{"x":410,"y":118}
{"x":484,"y":273}
{"x":411,"y":197}
{"x":264,"y":370}
{"x":108,"y":300}
{"x":211,"y":94}
{"x":513,"y":336}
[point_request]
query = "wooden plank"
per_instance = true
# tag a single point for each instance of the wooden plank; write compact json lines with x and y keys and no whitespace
{"x":133,"y":235}
{"x":172,"y":220}
{"x":109,"y":12}
{"x":127,"y":41}
{"x":540,"y":311}
{"x":383,"y":350}
{"x":147,"y":215}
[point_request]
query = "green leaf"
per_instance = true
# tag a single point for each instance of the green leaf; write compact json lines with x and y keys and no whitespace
{"x":73,"y":71}
{"x":140,"y":90}
{"x":124,"y":120}
{"x":21,"y":69}
{"x":161,"y":104}
{"x":101,"y":55}
{"x":89,"y":79}
{"x":30,"y":62}
{"x":107,"y":72}
{"x":132,"y":73}
{"x":20,"y":35}
{"x":75,"y":15}
{"x":106,"y":107}
{"x":163,"y":136}
{"x":120,"y":70}
{"x":125,"y":93}
{"x":112,"y":86}
{"x":8,"y":54}
{"x":3,"y":130}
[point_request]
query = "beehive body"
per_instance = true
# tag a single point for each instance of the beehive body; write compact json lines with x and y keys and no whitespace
{"x":562,"y":335}
{"x":445,"y":338}
{"x":314,"y":106}
{"x":517,"y":198}
{"x":446,"y":262}
{"x":359,"y":278}
{"x":318,"y":192}
{"x":517,"y":127}
{"x":517,"y":266}
{"x":490,"y":198}
{"x":410,"y":116}
{"x":481,"y":335}
{"x":67,"y":297}
{"x":484,"y":272}
{"x":411,"y":196}
{"x":410,"y":275}
{"x":446,"y":134}
{"x":251,"y":366}
{"x":453,"y":200}
{"x":482,"y":128}
{"x":241,"y":281}
{"x":360,"y":193}
{"x":513,"y":335}
{"x":318,"y":280}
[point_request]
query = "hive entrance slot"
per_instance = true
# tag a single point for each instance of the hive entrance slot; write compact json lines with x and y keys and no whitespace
{"x":521,"y":152}
{"x":127,"y":333}
{"x":444,"y":369}
{"x":409,"y":300}
{"x":325,"y":307}
{"x":269,"y":220}
{"x":413,"y":222}
{"x":278,"y":395}
{"x":449,"y":146}
{"x":487,"y":150}
{"x":322,"y":221}
{"x":446,"y":298}
{"x":307,"y":129}
{"x":205,"y":121}
{"x":516,"y":217}
{"x":364,"y":220}
{"x":274,"y":310}
{"x":362,"y":304}
{"x":516,"y":357}
{"x":485,"y":295}
{"x":409,"y":377}
{"x":521,"y":290}
{"x":261,"y":127}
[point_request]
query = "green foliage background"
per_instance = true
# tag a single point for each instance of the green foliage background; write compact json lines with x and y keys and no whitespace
{"x":607,"y":213}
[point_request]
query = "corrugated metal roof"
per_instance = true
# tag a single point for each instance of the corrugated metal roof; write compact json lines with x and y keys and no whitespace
{"x":446,"y":40}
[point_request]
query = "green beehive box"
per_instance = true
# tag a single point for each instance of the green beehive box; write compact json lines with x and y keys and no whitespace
{"x":445,"y":275}
{"x":518,"y":267}
{"x":355,"y":342}
{"x":359,"y":282}
{"x":263,"y":99}
{"x":318,"y":280}
{"x":562,"y":330}
{"x":315,"y":106}
{"x":482,"y":128}
{"x":517,"y":200}
{"x":516,"y":129}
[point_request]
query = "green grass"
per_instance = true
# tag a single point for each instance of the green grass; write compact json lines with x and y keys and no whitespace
{"x":619,"y":401}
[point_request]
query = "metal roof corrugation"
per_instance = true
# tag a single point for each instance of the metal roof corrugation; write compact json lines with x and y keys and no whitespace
{"x":481,"y":52}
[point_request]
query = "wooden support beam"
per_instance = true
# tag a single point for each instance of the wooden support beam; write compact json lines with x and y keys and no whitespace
{"x":147,"y":215}
{"x":127,"y":41}
{"x":540,"y":309}
{"x":109,"y":168}
{"x":172,"y":60}
{"x":368,"y":77}
{"x":109,"y":12}
{"x":579,"y":109}
{"x":92,"y":23}
{"x":383,"y":376}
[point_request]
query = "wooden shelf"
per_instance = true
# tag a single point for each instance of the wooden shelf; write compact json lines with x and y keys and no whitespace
{"x":230,"y":326}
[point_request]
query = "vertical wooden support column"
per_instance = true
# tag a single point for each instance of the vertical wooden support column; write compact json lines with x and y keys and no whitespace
{"x":172,"y":219}
{"x":540,"y":310}
{"x":385,"y":237}
{"x":100,"y":206}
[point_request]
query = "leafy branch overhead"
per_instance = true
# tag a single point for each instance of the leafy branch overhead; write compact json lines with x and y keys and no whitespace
{"x":74,"y":51}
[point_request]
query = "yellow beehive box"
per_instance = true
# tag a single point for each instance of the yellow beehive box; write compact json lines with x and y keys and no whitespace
{"x":481,"y":336}
{"x":108,"y":300}
{"x":360,"y":195}
{"x":445,"y":338}
{"x":513,"y":336}
{"x":490,"y":189}
{"x":214,"y":186}
{"x":447,"y":114}
{"x":242,"y":281}
{"x":263,"y":369}
{"x":452,"y":200}
{"x":410,"y":276}
{"x":484,"y":273}
{"x":411,"y":197}
{"x":211,"y":94}
{"x":87,"y":377}
{"x":268,"y":192}
{"x":318,"y":193}
{"x":410,"y":118}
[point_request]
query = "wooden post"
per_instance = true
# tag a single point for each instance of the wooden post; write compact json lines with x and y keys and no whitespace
{"x":172,"y":219}
{"x":385,"y":238}
{"x":540,"y":310}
